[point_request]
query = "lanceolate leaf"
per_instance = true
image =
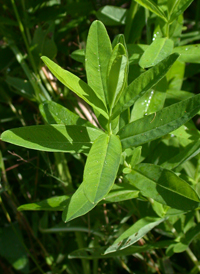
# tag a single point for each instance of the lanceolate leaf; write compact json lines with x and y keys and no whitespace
{"x":98,"y":52}
{"x":142,"y":84}
{"x":185,"y":154}
{"x":54,"y":113}
{"x":159,"y":49}
{"x":164,"y":186}
{"x":179,"y":8}
{"x":160,"y":123}
{"x":77,"y":206}
{"x":77,"y":86}
{"x":134,"y":233}
{"x":151,"y":5}
{"x":73,"y":139}
{"x":101,"y":167}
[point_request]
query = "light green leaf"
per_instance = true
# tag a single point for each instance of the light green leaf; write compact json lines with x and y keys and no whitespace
{"x":111,"y":15}
{"x":134,"y":233}
{"x":98,"y":52}
{"x":73,"y":139}
{"x":76,"y":85}
{"x":178,"y":8}
{"x":159,"y":49}
{"x":142,"y":84}
{"x":77,"y":206}
{"x":164,"y":186}
{"x":51,"y":204}
{"x":189,"y":53}
{"x":54,"y":113}
{"x":162,"y":122}
{"x":101,"y":167}
{"x":117,"y":74}
{"x":175,"y":76}
{"x":153,"y":7}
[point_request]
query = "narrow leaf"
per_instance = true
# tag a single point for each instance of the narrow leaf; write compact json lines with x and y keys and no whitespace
{"x":134,"y":233}
{"x":164,"y":186}
{"x":156,"y":125}
{"x":73,"y":139}
{"x":76,"y":85}
{"x":101,"y":167}
{"x":98,"y":52}
{"x":153,"y":7}
{"x":179,"y":8}
{"x":142,"y":84}
{"x":159,"y":49}
{"x":54,"y":113}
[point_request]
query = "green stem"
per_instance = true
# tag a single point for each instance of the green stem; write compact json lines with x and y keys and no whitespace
{"x":148,"y":29}
{"x":21,"y":27}
{"x":85,"y":263}
{"x":193,"y":258}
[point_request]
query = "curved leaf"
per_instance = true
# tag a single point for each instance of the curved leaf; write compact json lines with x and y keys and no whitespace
{"x":73,"y":139}
{"x":160,"y":123}
{"x":76,"y":85}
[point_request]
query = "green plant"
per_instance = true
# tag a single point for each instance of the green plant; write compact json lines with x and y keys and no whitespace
{"x":141,"y":141}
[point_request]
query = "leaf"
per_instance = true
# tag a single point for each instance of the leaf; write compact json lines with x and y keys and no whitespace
{"x":78,"y":55}
{"x":186,"y":239}
{"x":101,"y":167}
{"x":159,"y":49}
{"x":175,"y":76}
{"x":185,"y":154}
{"x":73,"y":139}
{"x":142,"y":84}
{"x":76,"y":85}
{"x":153,"y":7}
{"x":23,"y":87}
{"x":98,"y":52}
{"x":12,"y":248}
{"x":159,"y":124}
{"x":77,"y":206}
{"x":117,"y":74}
{"x":134,"y":233}
{"x":111,"y":15}
{"x":189,"y":53}
{"x":94,"y":253}
{"x":164,"y":186}
{"x":51,"y":204}
{"x":179,"y":7}
{"x":54,"y":113}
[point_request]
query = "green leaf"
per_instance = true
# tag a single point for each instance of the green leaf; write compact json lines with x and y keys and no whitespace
{"x":185,"y":154}
{"x":76,"y":85}
{"x":23,"y":87}
{"x":94,"y":253}
{"x":164,"y":186}
{"x":98,"y":52}
{"x":186,"y":239}
{"x":117,"y":74}
{"x":162,"y":122}
{"x":178,"y":8}
{"x":111,"y":15}
{"x":189,"y":53}
{"x":134,"y":233}
{"x":78,"y":55}
{"x":159,"y":49}
{"x":12,"y":248}
{"x":54,"y":113}
{"x":142,"y":84}
{"x":153,"y":7}
{"x":175,"y":76}
{"x":73,"y":139}
{"x":51,"y":204}
{"x":101,"y":167}
{"x":77,"y":206}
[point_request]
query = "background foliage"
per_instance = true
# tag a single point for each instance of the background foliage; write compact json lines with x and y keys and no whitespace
{"x":150,"y":241}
